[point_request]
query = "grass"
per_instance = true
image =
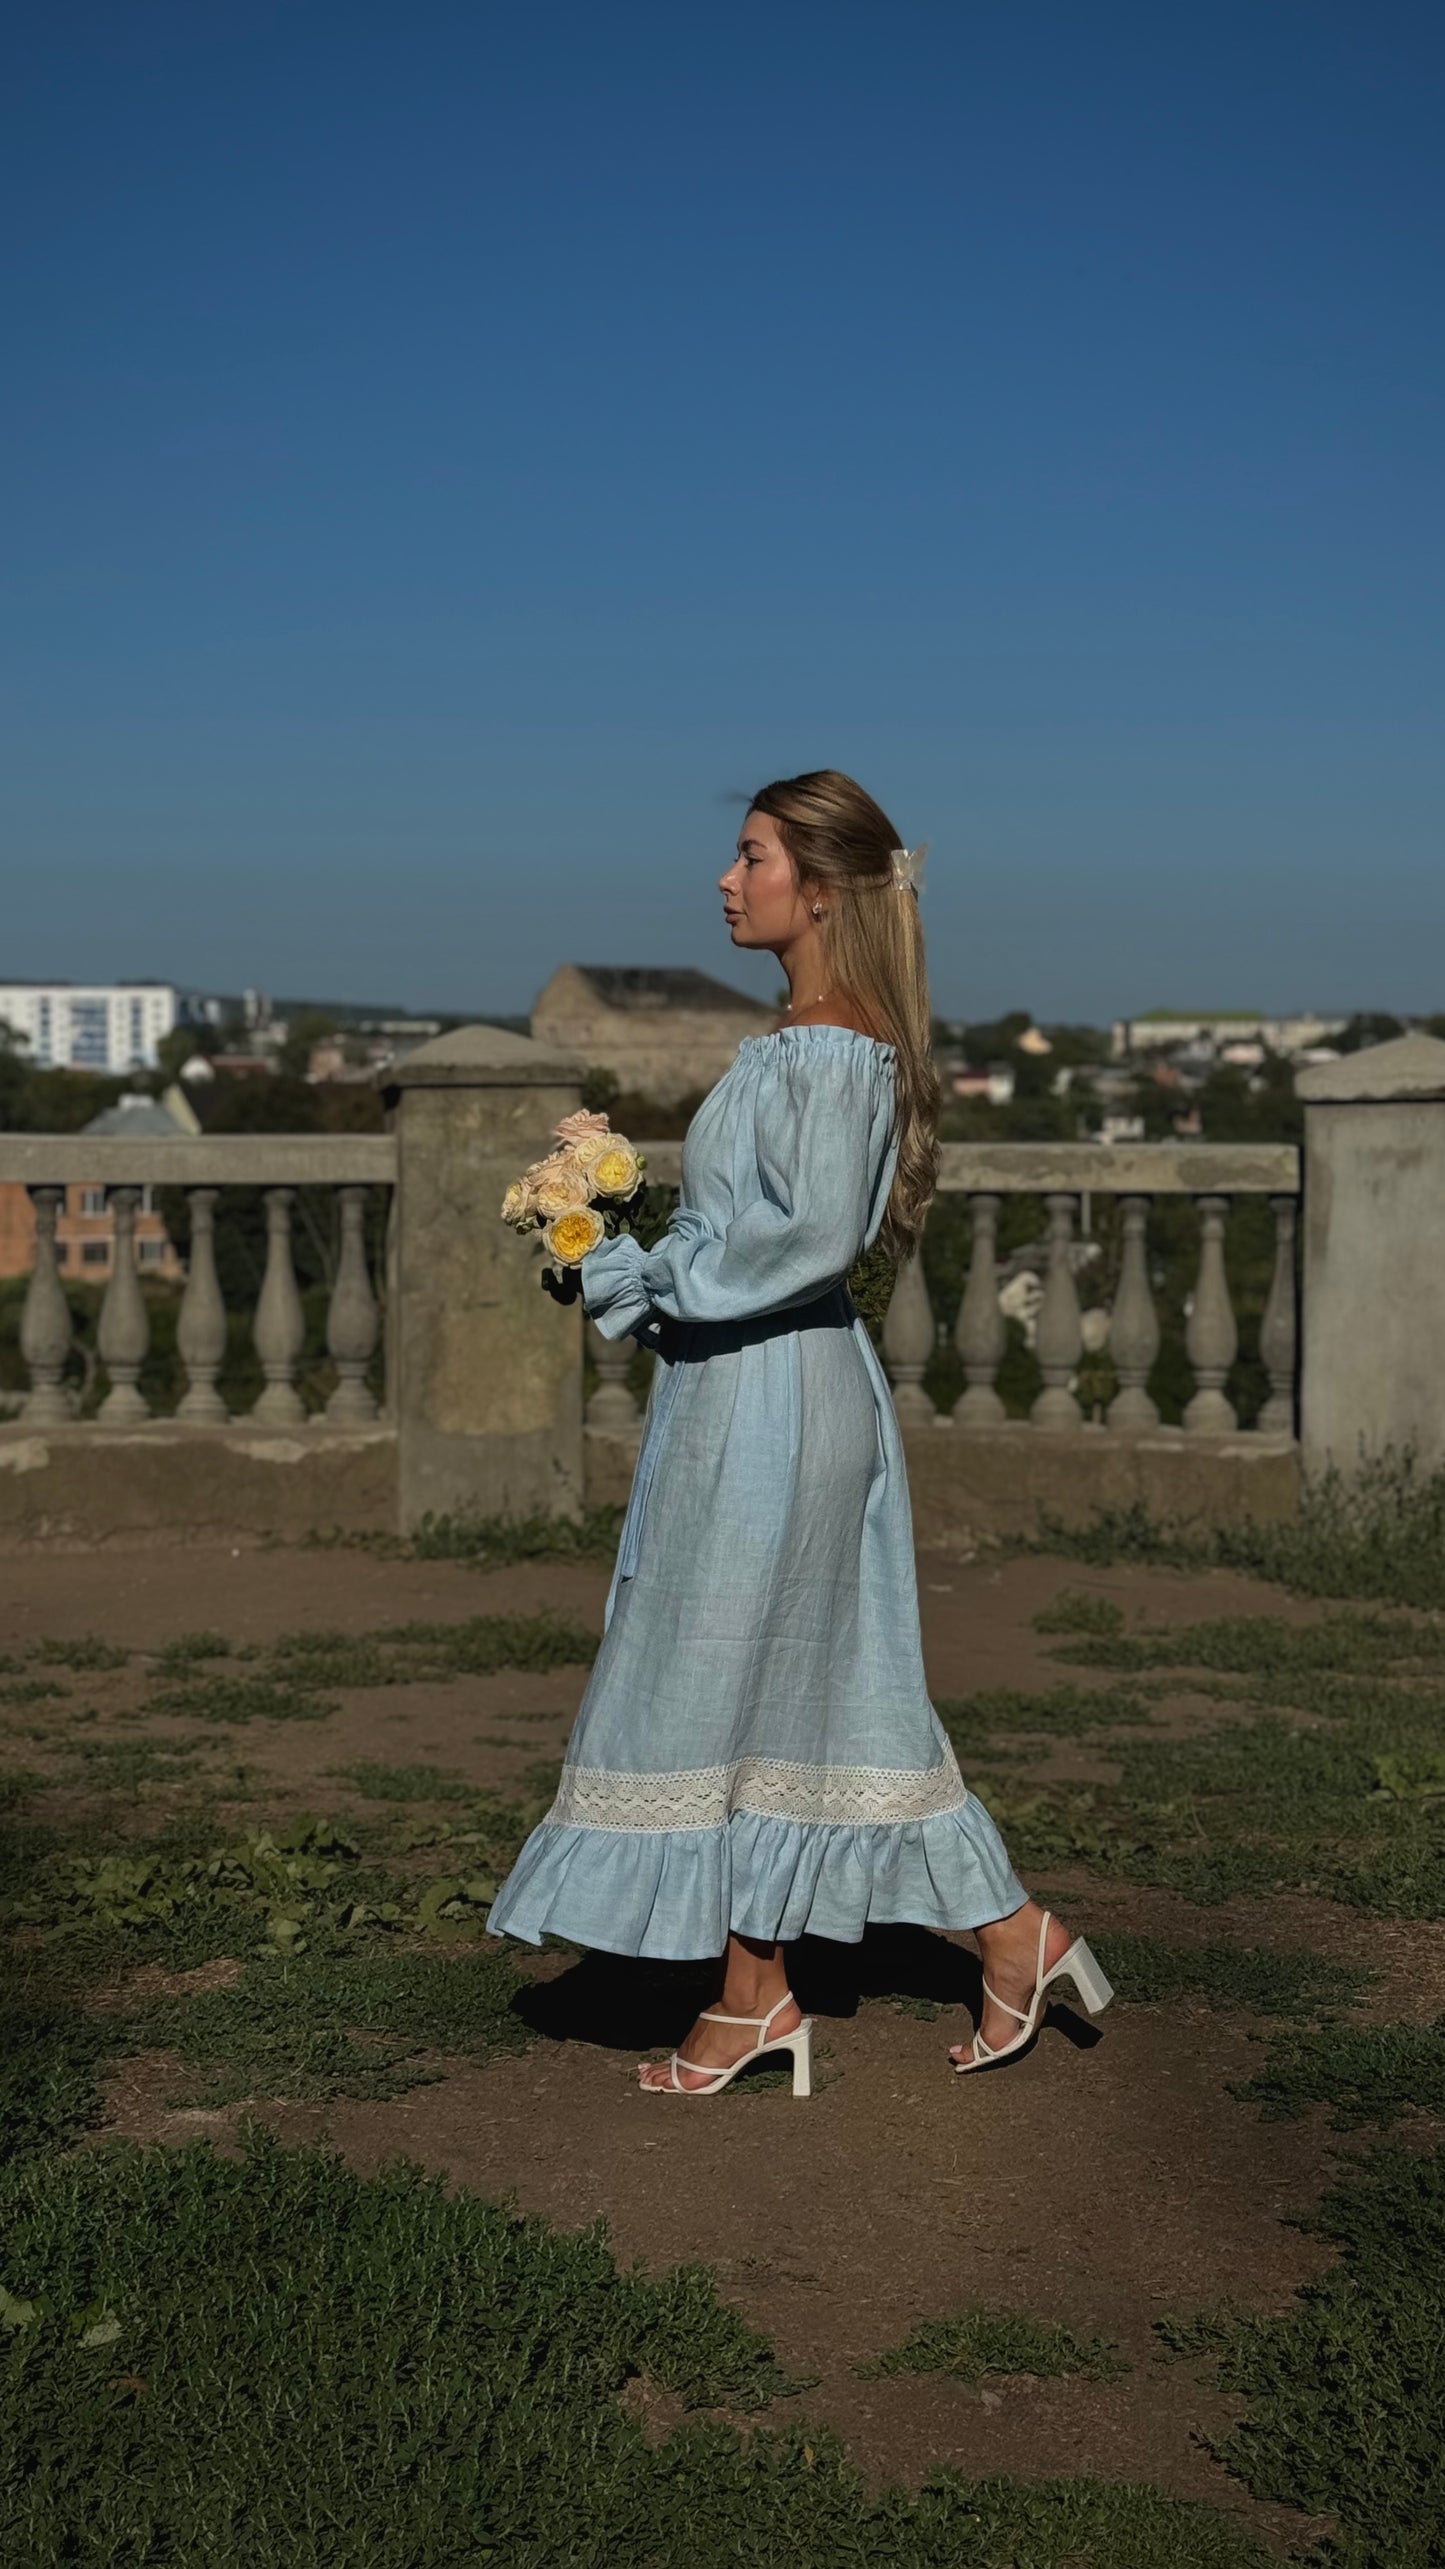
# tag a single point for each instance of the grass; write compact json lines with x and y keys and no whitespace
{"x":320,"y":2026}
{"x":1348,"y":1804}
{"x":417,"y":2379}
{"x":491,"y":1542}
{"x":185,"y":1649}
{"x":1077,"y":1610}
{"x":50,"y":2059}
{"x":126,"y":1765}
{"x":1263,"y":1645}
{"x":299,"y":1664}
{"x":978,"y":2343}
{"x":87,"y":1653}
{"x":1379,"y":1536}
{"x":1246,"y":1980}
{"x":206,"y":1698}
{"x":1368,"y":2073}
{"x":420,"y":1783}
{"x":975,"y":1723}
{"x":1346,"y":2408}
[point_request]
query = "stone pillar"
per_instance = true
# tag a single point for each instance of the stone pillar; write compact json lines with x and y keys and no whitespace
{"x":487,"y":1380}
{"x":1373,"y":1298}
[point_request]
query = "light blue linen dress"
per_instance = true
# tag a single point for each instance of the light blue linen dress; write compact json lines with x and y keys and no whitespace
{"x":756,"y":1750}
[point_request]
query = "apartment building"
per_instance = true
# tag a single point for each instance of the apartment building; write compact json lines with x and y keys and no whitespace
{"x":76,"y":1025}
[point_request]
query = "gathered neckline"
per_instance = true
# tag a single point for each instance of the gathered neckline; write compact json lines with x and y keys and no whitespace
{"x":826,"y":1027}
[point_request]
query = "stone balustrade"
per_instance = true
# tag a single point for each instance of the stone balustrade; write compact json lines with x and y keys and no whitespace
{"x":1065,"y":1179}
{"x":349,"y":1167}
{"x":483,"y":1411}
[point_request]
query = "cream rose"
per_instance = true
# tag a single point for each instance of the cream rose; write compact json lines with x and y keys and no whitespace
{"x":573,"y":1233}
{"x":577,"y":1128}
{"x":617,"y":1170}
{"x":590,"y":1148}
{"x":560,"y":1186}
{"x":516,"y":1203}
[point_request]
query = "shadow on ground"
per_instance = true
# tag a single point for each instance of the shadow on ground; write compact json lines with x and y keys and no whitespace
{"x":617,"y":2003}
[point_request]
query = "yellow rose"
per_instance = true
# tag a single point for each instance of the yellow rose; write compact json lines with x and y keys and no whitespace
{"x":516,"y":1203}
{"x":560,"y":1186}
{"x":617,"y":1170}
{"x":572,"y":1234}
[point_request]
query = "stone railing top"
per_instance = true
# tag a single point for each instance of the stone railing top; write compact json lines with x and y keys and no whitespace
{"x":1411,"y":1066}
{"x":1072,"y":1168}
{"x":480,"y":1057}
{"x":215,"y":1159}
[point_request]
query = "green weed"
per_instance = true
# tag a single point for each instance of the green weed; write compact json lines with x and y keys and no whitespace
{"x":89,"y":1652}
{"x":430,"y":1653}
{"x":1378,"y":1536}
{"x":485,"y":1643}
{"x":243,"y":1699}
{"x":1341,"y":1645}
{"x":975,"y":1723}
{"x":125,"y":1765}
{"x":977,"y":2343}
{"x":1078,"y":1610}
{"x":379,"y":1783}
{"x":185,"y":1649}
{"x":490,"y":1541}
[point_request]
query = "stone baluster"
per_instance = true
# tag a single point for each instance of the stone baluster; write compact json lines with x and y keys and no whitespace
{"x":981,"y":1333}
{"x":1210,"y":1335}
{"x":908,"y":1343}
{"x":352,"y":1318}
{"x":612,"y":1404}
{"x":124,"y":1333}
{"x":279,"y":1329}
{"x":1134,"y":1323}
{"x":1278,"y":1331}
{"x":1059,"y":1340}
{"x":201,"y":1327}
{"x":45,"y":1331}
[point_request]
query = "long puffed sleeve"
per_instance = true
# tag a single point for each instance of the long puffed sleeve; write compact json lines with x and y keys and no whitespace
{"x":824,"y":1159}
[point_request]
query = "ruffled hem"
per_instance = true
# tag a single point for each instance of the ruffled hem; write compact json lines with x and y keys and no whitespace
{"x":676,"y":1895}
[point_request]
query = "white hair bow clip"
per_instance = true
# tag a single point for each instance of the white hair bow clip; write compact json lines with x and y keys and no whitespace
{"x":908,"y":867}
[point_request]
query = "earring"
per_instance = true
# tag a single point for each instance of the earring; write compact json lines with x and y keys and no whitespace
{"x":817,"y":909}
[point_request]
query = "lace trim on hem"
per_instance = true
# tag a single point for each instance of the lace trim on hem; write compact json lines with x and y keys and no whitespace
{"x":774,"y":1788}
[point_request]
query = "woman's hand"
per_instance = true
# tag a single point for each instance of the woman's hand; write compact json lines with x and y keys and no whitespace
{"x":565,"y":1288}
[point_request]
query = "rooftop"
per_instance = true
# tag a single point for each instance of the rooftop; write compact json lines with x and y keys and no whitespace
{"x":649,"y":986}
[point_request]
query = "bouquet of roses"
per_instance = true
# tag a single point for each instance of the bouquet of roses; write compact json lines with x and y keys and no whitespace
{"x":580,"y":1193}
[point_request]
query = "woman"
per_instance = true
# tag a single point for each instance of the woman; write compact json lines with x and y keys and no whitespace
{"x":756,"y":1756}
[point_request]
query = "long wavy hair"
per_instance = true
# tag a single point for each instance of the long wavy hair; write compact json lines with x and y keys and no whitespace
{"x":872,"y":953}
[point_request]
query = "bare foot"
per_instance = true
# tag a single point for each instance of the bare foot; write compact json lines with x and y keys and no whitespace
{"x":1009,"y":1950}
{"x":713,"y":2047}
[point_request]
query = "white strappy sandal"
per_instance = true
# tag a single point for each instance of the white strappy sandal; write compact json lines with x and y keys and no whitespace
{"x":1077,"y":1965}
{"x":799,"y":2044}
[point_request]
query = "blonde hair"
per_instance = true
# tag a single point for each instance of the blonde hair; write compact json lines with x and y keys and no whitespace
{"x":872,"y":953}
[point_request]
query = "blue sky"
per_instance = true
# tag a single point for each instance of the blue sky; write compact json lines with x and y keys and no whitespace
{"x":449,"y":453}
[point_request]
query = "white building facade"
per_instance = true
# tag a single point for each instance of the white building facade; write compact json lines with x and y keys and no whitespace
{"x":74,"y":1025}
{"x":1160,"y":1032}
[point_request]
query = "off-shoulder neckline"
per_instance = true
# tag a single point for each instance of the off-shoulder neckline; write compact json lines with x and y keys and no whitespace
{"x":824,"y":1027}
